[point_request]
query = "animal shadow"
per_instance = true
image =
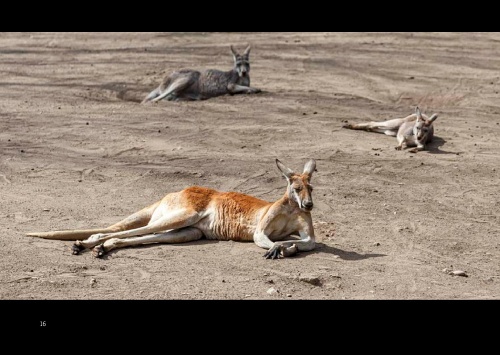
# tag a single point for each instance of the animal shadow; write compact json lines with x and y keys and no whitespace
{"x":342,"y":254}
{"x":434,"y":147}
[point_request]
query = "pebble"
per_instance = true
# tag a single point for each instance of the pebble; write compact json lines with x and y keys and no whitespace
{"x":271,"y":291}
{"x":455,"y":272}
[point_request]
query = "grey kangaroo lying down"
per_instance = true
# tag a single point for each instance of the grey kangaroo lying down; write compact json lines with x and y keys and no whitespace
{"x":416,"y":130}
{"x":199,"y":212}
{"x":188,"y":84}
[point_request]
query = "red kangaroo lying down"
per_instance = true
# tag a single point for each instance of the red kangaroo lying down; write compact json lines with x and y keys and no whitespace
{"x":198,"y":212}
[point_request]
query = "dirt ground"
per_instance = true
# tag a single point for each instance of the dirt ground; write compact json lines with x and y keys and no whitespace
{"x":77,"y":150}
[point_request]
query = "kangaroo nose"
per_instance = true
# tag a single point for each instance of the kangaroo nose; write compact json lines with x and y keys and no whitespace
{"x":308,"y":204}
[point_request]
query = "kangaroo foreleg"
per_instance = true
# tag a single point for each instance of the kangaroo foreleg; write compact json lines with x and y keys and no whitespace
{"x":240,"y":89}
{"x":284,"y":248}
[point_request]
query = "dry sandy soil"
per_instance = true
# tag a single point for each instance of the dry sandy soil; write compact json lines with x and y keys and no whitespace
{"x":77,"y":150}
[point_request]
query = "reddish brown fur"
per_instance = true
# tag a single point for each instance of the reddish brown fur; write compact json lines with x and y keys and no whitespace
{"x":198,"y":197}
{"x":237,"y":215}
{"x":242,"y":203}
{"x":238,"y":210}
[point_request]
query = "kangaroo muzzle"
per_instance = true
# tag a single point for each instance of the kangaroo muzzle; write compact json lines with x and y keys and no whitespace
{"x":307,"y":205}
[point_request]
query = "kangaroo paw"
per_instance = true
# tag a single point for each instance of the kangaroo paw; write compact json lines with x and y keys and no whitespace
{"x":290,"y":251}
{"x":273,"y":253}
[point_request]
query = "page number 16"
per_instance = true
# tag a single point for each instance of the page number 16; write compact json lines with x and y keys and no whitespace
{"x":42,"y":323}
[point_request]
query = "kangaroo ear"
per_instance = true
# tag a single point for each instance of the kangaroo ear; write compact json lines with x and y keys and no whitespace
{"x":247,"y":51}
{"x":432,"y":118}
{"x":235,"y":54}
{"x":284,"y":170}
{"x":418,"y":113}
{"x":310,"y":167}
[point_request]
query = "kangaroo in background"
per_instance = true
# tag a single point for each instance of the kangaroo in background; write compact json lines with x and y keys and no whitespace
{"x":416,"y":130}
{"x":198,"y":212}
{"x":188,"y":84}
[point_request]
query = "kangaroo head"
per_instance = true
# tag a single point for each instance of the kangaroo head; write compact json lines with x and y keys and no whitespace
{"x":242,"y":61}
{"x":299,"y":188}
{"x":422,"y":125}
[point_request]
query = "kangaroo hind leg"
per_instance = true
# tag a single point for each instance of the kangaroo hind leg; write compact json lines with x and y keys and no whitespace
{"x":176,"y":86}
{"x":170,"y":220}
{"x":183,"y":235}
{"x":389,"y":127}
{"x":136,"y":220}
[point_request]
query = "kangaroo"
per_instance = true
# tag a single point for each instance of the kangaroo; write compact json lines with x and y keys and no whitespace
{"x":188,"y":84}
{"x":416,"y":130}
{"x":198,"y":212}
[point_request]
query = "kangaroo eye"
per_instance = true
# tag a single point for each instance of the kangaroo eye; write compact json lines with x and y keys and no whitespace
{"x":299,"y":188}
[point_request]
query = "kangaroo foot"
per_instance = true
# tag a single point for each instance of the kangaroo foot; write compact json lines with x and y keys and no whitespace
{"x":76,"y":248}
{"x":98,"y":251}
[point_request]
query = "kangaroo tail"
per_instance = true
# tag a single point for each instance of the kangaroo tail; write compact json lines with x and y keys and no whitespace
{"x":68,"y":234}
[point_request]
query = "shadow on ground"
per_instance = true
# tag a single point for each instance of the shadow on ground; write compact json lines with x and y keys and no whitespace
{"x":322,"y":248}
{"x":434,"y":147}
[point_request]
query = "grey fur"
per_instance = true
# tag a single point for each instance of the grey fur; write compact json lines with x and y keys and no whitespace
{"x":188,"y":84}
